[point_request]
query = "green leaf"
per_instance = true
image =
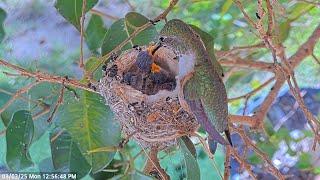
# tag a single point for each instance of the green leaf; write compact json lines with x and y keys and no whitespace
{"x":226,"y":6}
{"x":135,"y":20}
{"x":304,"y":161}
{"x":268,"y":148}
{"x":134,"y":175}
{"x":3,"y":16}
{"x":235,"y":78}
{"x":112,"y":170}
{"x":95,"y":32}
{"x":4,"y":117}
{"x":187,"y":141}
{"x":208,"y":41}
{"x":284,"y":30}
{"x":115,"y":36}
{"x":297,"y":11}
{"x":90,"y":65}
{"x":91,"y":124}
{"x":308,"y":133}
{"x":255,"y":84}
{"x":19,"y":137}
{"x":66,"y":155}
{"x":316,"y":170}
{"x":254,"y":159}
{"x":191,"y":164}
{"x":71,"y":10}
{"x":46,"y":165}
{"x":44,"y":92}
{"x":269,"y":128}
{"x":123,"y":28}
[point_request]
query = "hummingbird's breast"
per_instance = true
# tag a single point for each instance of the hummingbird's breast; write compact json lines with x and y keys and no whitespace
{"x":186,"y":65}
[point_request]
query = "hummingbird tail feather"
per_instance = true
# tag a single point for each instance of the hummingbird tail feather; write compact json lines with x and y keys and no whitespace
{"x":227,"y":132}
{"x":198,"y":110}
{"x":212,"y":145}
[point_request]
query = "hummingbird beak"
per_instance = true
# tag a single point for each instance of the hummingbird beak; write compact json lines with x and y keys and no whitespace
{"x":156,"y":47}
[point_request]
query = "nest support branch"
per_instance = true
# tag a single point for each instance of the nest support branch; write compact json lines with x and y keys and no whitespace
{"x":152,"y":166}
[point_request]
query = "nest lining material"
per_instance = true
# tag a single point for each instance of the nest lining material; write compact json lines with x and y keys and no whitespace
{"x":148,"y":112}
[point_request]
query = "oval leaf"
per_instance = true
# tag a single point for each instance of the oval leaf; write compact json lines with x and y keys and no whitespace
{"x":191,"y":164}
{"x":123,"y":28}
{"x":66,"y":155}
{"x":71,"y":10}
{"x":135,"y":20}
{"x":91,"y":124}
{"x":115,"y":36}
{"x":19,"y":137}
{"x":95,"y":32}
{"x":38,"y":93}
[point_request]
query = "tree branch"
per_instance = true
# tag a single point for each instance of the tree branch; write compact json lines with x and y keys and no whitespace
{"x":44,"y":77}
{"x":103,"y":14}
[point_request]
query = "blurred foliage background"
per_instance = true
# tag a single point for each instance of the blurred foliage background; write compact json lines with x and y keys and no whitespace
{"x":37,"y":37}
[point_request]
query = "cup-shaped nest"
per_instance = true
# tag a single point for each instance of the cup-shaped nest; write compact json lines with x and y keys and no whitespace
{"x":147,"y":107}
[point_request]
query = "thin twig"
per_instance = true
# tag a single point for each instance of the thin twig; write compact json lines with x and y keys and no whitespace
{"x":251,"y":93}
{"x":130,"y":5}
{"x":222,"y":54}
{"x":251,"y":121}
{"x":235,"y":61}
{"x":243,"y":163}
{"x":311,"y":2}
{"x":21,"y":97}
{"x":55,"y":137}
{"x":273,"y":170}
{"x":204,"y":144}
{"x":227,"y":166}
{"x":315,"y":58}
{"x":314,"y":123}
{"x":154,"y":164}
{"x":59,"y":102}
{"x":45,"y":110}
{"x":17,"y":94}
{"x":103,"y":14}
{"x":270,"y":18}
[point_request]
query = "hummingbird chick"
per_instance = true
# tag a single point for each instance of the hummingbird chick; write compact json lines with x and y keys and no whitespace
{"x":145,"y":59}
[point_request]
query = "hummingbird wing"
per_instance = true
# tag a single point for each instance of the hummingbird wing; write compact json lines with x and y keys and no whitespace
{"x":207,"y":99}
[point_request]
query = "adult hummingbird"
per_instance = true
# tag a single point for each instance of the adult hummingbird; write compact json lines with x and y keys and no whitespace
{"x":201,"y":90}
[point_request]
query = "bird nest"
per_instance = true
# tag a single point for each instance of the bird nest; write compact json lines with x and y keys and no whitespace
{"x":148,"y":112}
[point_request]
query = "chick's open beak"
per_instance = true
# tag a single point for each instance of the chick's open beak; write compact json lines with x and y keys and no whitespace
{"x":155,"y":68}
